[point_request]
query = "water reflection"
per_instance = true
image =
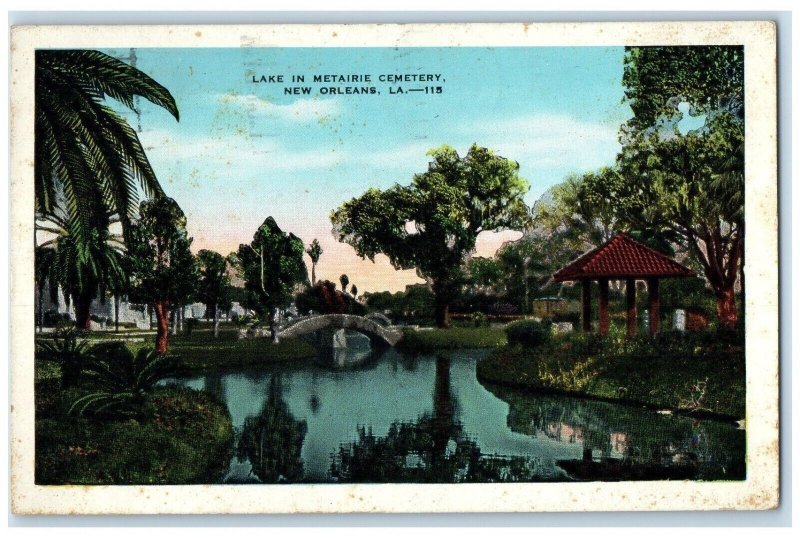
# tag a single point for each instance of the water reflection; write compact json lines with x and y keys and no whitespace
{"x":434,"y":448}
{"x":625,"y":443}
{"x":427,"y":419}
{"x":273,"y":439}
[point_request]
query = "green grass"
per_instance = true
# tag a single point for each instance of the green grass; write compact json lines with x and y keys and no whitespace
{"x":701,"y":373}
{"x":201,"y":351}
{"x":187,"y":440}
{"x":452,"y":338}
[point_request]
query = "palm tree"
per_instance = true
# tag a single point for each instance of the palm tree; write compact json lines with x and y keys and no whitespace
{"x":86,"y":152}
{"x":314,"y":251}
{"x":81,"y":279}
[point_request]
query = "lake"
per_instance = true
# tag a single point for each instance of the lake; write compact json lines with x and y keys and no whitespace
{"x":353,"y":415}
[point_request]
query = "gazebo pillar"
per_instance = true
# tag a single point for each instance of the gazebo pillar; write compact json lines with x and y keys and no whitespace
{"x":586,"y":303}
{"x":654,"y":304}
{"x":630,"y":299}
{"x":603,"y":283}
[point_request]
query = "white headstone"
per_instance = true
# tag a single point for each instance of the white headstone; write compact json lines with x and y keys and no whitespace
{"x":679,"y":320}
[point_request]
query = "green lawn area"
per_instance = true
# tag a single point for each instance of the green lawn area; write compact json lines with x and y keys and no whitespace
{"x":702,"y":372}
{"x":453,"y":338}
{"x":201,"y":351}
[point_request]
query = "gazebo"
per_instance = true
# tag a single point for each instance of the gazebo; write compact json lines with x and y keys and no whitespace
{"x":621,"y":258}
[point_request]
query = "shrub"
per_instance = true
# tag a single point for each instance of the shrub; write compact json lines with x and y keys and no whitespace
{"x":51,"y":318}
{"x":528,"y":333}
{"x":71,"y":355}
{"x":123,"y":379}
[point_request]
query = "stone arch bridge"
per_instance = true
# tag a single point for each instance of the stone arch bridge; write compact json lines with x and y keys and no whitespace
{"x":377,"y":332}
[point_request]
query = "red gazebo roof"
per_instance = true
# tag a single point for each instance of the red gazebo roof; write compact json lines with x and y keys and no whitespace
{"x":622,"y":257}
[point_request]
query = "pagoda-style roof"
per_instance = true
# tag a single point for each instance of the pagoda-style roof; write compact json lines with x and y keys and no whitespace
{"x":622,"y":257}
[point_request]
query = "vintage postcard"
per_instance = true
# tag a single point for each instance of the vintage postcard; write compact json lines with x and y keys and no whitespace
{"x":394,"y":268}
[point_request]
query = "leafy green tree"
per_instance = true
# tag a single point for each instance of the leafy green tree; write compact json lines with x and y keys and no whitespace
{"x":580,"y":209}
{"x":85,"y":152}
{"x":61,"y":262}
{"x":688,"y":184}
{"x":271,"y":265}
{"x":314,"y":251}
{"x":432,"y":224}
{"x":164,"y":270}
{"x":344,"y":280}
{"x":214,"y":288}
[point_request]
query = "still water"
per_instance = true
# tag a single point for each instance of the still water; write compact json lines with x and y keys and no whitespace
{"x":356,"y":416}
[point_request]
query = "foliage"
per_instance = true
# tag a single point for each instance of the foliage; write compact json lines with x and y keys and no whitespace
{"x":345,"y":281}
{"x":314,"y":252}
{"x":528,"y":333}
{"x":432,"y":224}
{"x":660,"y":372}
{"x":690,"y":185}
{"x":273,"y":439}
{"x":86,"y":152}
{"x":186,"y":440}
{"x":123,"y":379}
{"x":658,"y":79}
{"x":271,"y":265}
{"x":163,"y":270}
{"x":324,"y":298}
{"x":214,"y":287}
{"x":71,"y":354}
{"x":61,"y":262}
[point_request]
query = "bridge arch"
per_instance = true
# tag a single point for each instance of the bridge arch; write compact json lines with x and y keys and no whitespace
{"x":310,"y":324}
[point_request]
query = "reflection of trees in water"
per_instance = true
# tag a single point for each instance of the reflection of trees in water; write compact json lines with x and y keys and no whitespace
{"x":273,"y":439}
{"x":634,"y":435}
{"x":434,"y":448}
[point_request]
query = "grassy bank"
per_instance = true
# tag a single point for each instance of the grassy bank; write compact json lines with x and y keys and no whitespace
{"x":187,"y":438}
{"x":701,"y":372}
{"x":201,"y":351}
{"x":425,"y":341}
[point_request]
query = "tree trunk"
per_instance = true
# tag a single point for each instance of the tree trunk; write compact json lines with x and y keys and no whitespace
{"x":173,"y":314}
{"x":82,"y":312}
{"x":116,"y":313}
{"x":273,"y":327}
{"x":162,"y":330}
{"x":40,"y":313}
{"x":442,"y":313}
{"x":216,"y":321}
{"x":313,"y":273}
{"x":726,"y":307}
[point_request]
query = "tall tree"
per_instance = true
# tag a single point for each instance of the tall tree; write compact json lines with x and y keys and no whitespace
{"x":344,"y":280}
{"x":84,"y":150}
{"x":271,"y":265}
{"x":314,"y":251}
{"x":432,"y":225}
{"x":690,"y":184}
{"x":164,"y":271}
{"x":215,"y":284}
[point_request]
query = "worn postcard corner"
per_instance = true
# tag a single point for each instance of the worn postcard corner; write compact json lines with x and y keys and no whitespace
{"x":395,"y":268}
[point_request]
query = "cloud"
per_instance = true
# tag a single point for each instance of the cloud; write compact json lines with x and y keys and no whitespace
{"x":299,"y":111}
{"x":551,"y":141}
{"x":234,"y":150}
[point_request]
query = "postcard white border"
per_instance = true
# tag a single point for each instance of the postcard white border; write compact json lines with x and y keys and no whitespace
{"x":759,"y":491}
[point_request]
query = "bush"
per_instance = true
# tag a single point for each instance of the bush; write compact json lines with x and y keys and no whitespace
{"x":123,"y":379}
{"x":528,"y":333}
{"x":71,"y":354}
{"x":51,"y":318}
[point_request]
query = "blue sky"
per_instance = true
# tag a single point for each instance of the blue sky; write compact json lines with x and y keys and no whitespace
{"x":245,"y":151}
